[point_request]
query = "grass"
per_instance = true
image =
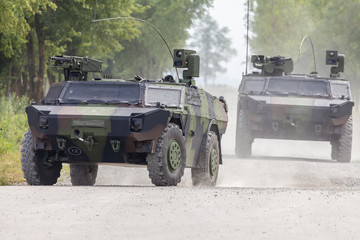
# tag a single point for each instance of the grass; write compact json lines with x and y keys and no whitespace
{"x":13,"y":125}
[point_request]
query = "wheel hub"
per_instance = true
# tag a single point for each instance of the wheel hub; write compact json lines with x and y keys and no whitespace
{"x":174,"y":156}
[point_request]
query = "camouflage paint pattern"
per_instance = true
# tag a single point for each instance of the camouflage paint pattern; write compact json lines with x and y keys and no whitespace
{"x":99,"y":133}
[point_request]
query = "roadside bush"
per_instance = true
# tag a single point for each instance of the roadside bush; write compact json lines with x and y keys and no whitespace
{"x":13,"y":125}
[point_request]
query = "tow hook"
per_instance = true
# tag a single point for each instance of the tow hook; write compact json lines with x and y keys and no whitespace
{"x":115,"y":144}
{"x":61,"y":143}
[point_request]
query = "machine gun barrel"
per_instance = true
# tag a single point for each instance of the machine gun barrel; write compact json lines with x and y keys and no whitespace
{"x":61,"y":59}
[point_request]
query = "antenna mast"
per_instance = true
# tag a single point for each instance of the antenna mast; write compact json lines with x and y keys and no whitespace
{"x":92,"y":37}
{"x":247,"y":36}
{"x":140,"y":20}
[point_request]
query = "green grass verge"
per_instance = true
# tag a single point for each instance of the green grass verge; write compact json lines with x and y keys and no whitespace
{"x":13,"y":125}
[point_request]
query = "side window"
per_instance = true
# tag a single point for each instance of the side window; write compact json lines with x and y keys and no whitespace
{"x":170,"y":96}
{"x":340,"y":89}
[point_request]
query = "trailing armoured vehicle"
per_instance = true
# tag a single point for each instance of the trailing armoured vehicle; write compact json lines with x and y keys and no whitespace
{"x":276,"y":104}
{"x":162,"y":124}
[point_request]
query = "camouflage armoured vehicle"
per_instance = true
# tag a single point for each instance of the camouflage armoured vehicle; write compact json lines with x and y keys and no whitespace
{"x":162,"y":124}
{"x":276,"y":104}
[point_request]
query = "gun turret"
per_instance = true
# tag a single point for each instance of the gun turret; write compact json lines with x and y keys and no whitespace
{"x":187,"y":59}
{"x":273,"y":66}
{"x":76,"y":68}
{"x":333,"y":58}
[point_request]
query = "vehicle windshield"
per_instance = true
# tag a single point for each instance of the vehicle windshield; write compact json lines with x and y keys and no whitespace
{"x":340,"y":89}
{"x":253,"y":86}
{"x":109,"y":93}
{"x":298,"y":87}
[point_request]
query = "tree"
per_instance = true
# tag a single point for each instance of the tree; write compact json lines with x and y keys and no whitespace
{"x":278,"y":27}
{"x":61,"y":27}
{"x":147,"y":55}
{"x":213,"y":46}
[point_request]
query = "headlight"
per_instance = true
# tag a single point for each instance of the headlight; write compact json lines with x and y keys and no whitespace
{"x":136,"y":124}
{"x":334,"y":110}
{"x":43,"y":121}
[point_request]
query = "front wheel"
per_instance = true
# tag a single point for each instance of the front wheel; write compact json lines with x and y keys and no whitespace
{"x":35,"y":165}
{"x":166,"y":165}
{"x":83,"y":175}
{"x":243,"y":140}
{"x":207,"y":173}
{"x":341,"y":148}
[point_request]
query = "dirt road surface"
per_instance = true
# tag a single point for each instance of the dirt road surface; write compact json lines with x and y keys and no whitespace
{"x":288,"y":190}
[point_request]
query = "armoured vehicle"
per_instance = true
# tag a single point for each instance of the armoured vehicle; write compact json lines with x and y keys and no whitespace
{"x":162,"y":124}
{"x":276,"y":104}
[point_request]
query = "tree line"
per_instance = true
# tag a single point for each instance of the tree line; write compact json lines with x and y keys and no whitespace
{"x":33,"y":30}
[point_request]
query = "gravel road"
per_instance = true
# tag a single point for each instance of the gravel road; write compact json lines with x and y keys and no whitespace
{"x":288,"y":190}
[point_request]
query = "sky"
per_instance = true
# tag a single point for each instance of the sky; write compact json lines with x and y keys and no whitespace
{"x":231,"y":14}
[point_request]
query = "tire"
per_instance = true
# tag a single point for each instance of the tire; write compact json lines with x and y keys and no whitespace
{"x":207,"y":173}
{"x":341,"y":148}
{"x":244,"y":140}
{"x":166,"y":165}
{"x":83,"y":175}
{"x":36,"y":172}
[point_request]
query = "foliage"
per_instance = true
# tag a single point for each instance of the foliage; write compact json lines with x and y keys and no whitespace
{"x":14,"y":26}
{"x":278,"y":26}
{"x":13,"y":125}
{"x":146,"y":55}
{"x":213,"y":46}
{"x":33,"y":30}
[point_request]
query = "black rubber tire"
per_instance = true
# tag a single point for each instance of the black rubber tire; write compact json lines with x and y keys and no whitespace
{"x":341,"y":149}
{"x":83,"y":175}
{"x":157,"y":162}
{"x":35,"y":171}
{"x":243,"y":140}
{"x":203,"y":176}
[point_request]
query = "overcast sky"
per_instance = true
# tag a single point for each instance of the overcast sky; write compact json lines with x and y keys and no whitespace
{"x":231,"y":14}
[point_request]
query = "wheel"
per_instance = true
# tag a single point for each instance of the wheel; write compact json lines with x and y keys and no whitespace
{"x":244,"y":140}
{"x":37,"y":170}
{"x":341,"y":148}
{"x":207,"y":173}
{"x":83,"y":175}
{"x":334,"y":147}
{"x":166,"y":165}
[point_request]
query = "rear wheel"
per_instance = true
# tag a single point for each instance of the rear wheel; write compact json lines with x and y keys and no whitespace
{"x":341,"y":148}
{"x":244,"y":140}
{"x":166,"y":165}
{"x":207,"y":173}
{"x":83,"y":175}
{"x":35,"y":165}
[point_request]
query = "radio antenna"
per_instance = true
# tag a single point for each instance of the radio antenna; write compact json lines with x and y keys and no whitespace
{"x":247,"y":36}
{"x":92,"y":37}
{"x":140,"y":20}
{"x":312,"y":47}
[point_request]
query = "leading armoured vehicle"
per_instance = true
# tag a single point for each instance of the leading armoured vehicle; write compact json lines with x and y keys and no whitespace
{"x":162,"y":124}
{"x":276,"y":104}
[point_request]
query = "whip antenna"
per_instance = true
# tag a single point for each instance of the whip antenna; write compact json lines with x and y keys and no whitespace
{"x":92,"y":37}
{"x":247,"y":36}
{"x":140,"y":20}
{"x":312,"y":47}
